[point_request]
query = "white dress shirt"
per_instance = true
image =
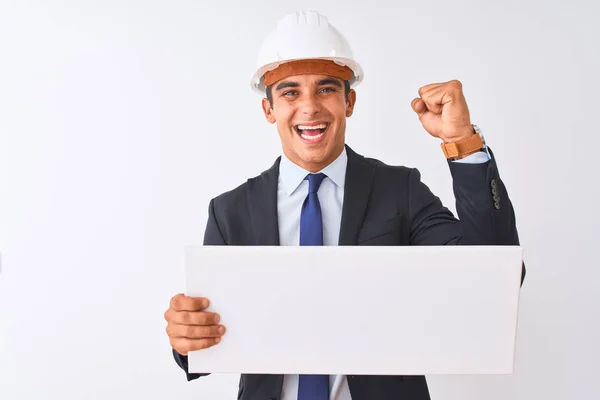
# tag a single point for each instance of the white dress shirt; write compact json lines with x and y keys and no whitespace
{"x":292,"y":189}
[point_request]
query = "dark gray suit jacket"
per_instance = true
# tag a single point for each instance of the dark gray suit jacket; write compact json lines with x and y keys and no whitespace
{"x":383,"y":206}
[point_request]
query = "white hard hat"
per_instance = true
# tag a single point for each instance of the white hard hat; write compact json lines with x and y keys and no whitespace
{"x":304,"y":36}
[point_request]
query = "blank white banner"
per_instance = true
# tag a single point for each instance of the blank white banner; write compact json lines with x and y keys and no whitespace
{"x":410,"y":310}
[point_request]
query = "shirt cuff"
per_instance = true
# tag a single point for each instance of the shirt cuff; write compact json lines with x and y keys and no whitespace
{"x":476,"y":158}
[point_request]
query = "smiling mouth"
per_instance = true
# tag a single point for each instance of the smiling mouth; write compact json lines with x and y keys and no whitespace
{"x":311,"y":132}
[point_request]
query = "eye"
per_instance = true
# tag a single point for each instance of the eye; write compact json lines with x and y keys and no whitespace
{"x":290,"y":93}
{"x":327,"y":89}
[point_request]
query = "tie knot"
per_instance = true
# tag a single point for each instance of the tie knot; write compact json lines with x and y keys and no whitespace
{"x":314,"y":182}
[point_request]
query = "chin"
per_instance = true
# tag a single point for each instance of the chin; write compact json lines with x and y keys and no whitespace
{"x":314,"y":156}
{"x":315,"y":153}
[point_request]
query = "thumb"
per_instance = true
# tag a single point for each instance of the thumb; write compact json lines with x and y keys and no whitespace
{"x":418,"y":105}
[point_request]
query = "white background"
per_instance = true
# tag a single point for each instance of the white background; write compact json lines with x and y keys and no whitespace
{"x":120,"y":120}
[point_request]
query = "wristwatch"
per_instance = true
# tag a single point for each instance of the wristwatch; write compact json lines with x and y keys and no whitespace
{"x":465,"y":147}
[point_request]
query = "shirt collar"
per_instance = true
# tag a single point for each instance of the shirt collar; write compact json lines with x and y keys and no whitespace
{"x":292,"y":175}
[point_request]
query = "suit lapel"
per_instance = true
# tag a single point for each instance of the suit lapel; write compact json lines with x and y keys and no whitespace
{"x":262,"y":201}
{"x":357,"y":189}
{"x":262,"y":204}
{"x":262,"y":207}
{"x":261,"y":386}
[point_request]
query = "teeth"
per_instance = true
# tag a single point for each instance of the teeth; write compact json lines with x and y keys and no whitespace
{"x":311,"y":137}
{"x":314,"y":127}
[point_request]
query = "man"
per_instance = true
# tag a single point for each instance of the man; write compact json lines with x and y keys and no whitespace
{"x":320,"y":192}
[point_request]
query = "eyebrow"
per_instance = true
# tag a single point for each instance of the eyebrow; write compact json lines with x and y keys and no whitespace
{"x":322,"y":82}
{"x":285,"y":85}
{"x":330,"y":81}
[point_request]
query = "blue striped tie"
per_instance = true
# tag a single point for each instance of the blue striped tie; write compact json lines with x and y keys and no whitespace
{"x":312,"y":387}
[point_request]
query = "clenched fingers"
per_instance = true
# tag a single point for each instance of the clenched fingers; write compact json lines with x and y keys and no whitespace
{"x":437,"y":94}
{"x":192,"y":317}
{"x":195,"y":331}
{"x":454,"y":85}
{"x":427,"y":88}
{"x":183,"y":345}
{"x":181,"y":302}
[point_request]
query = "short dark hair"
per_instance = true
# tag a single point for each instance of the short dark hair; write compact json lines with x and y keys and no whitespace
{"x":269,"y":92}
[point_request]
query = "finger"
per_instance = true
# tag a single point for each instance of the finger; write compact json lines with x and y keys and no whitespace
{"x":193,"y":317}
{"x":434,"y":99}
{"x":448,"y":92}
{"x":195,"y":331}
{"x":427,"y":88}
{"x":181,"y":302}
{"x":454,"y":92}
{"x":183,"y":345}
{"x":418,"y":106}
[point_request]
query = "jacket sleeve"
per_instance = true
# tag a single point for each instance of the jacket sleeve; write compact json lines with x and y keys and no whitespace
{"x":212,"y":236}
{"x":485,"y":212}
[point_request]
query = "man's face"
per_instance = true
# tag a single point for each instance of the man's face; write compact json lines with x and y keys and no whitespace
{"x":310,"y":112}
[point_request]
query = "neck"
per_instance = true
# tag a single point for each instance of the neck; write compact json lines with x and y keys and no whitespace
{"x":315,"y":166}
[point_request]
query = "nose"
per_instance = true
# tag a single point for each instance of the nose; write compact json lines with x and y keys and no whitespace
{"x":310,"y":105}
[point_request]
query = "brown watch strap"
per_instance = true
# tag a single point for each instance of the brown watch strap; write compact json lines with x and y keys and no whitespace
{"x":463,"y":148}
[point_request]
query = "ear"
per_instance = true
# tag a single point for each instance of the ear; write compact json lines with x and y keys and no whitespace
{"x":350,"y":103}
{"x":268,"y":111}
